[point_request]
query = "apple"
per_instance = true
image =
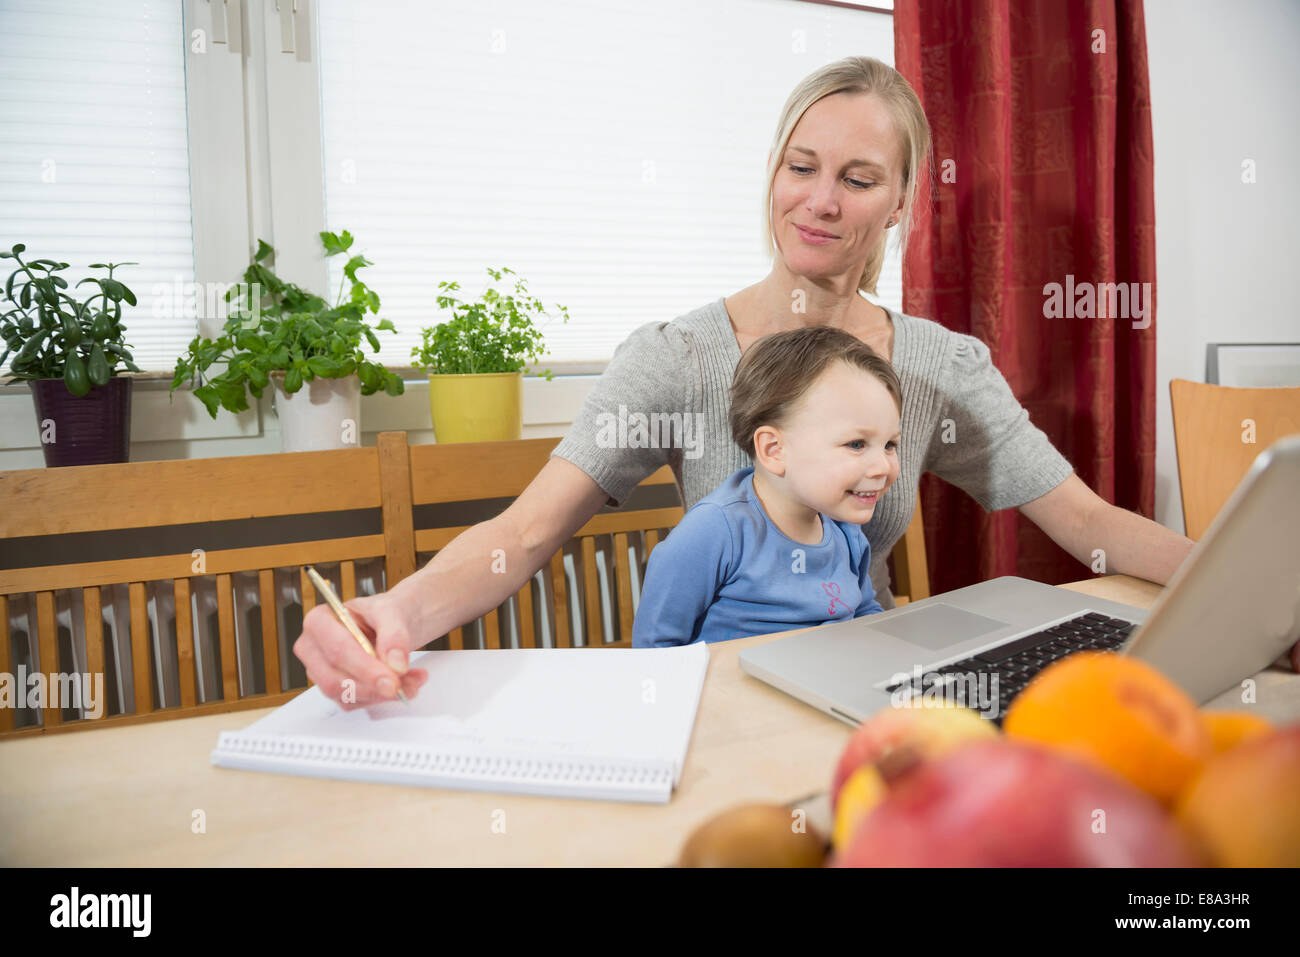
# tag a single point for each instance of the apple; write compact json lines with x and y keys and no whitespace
{"x":928,"y":730}
{"x":1008,"y":803}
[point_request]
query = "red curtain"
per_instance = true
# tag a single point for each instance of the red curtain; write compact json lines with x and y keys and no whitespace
{"x":1041,"y":120}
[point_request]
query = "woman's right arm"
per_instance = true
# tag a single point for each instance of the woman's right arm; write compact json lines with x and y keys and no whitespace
{"x":477,"y":571}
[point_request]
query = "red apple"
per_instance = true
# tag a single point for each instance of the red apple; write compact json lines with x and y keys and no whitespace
{"x":930,"y":731}
{"x":1007,"y":803}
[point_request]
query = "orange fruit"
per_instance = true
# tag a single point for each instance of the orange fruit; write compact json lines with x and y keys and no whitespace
{"x":1119,"y":713}
{"x":1229,"y":728}
{"x":1244,"y":806}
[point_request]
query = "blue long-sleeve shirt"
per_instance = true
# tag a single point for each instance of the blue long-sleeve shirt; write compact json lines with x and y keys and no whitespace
{"x":726,"y":571}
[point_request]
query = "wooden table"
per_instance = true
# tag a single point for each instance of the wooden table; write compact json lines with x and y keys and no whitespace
{"x":132,"y":795}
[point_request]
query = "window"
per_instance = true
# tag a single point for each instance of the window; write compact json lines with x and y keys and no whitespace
{"x":94,"y":163}
{"x":613,"y":153}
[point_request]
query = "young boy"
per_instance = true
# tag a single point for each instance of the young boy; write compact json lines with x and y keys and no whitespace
{"x":779,"y":545}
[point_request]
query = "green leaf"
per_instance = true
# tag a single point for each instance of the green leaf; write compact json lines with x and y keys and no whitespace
{"x":323,"y":366}
{"x":355,"y":263}
{"x":393,"y":384}
{"x":232,"y":392}
{"x":208,"y":396}
{"x":292,"y":380}
{"x":250,"y":342}
{"x":386,"y":324}
{"x":263,"y":250}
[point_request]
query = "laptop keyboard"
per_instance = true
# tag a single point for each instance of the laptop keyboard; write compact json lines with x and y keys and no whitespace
{"x":1017,"y":662}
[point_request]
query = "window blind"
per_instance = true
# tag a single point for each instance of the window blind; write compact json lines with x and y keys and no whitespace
{"x":612,"y":153}
{"x":94,"y":162}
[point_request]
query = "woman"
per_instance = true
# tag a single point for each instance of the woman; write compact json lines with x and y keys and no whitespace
{"x":850,"y":147}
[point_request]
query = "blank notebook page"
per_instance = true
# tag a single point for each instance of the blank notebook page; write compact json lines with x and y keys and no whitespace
{"x":625,"y":704}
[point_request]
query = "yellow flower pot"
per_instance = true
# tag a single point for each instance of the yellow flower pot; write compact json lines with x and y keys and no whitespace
{"x":477,"y":408}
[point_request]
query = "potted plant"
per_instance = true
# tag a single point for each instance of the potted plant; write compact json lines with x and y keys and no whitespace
{"x":69,"y":351}
{"x":311,"y":350}
{"x":475,"y":362}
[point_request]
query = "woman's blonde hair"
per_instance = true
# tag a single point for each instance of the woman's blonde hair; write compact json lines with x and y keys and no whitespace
{"x":860,"y":74}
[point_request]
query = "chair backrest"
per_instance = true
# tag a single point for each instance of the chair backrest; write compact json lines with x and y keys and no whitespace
{"x":161,"y":528}
{"x":454,"y":486}
{"x":229,"y":537}
{"x":911,"y":569}
{"x":1218,"y":432}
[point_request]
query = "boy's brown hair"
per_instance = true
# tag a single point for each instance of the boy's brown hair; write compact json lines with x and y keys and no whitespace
{"x":776,"y":371}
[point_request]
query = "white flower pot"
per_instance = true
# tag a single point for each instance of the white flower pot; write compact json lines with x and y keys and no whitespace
{"x":323,"y":414}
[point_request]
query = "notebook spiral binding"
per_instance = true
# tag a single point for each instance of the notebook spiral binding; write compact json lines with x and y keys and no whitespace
{"x":442,"y":764}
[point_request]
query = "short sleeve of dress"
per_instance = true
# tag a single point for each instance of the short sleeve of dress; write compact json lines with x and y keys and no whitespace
{"x":984,"y":442}
{"x":650,"y":373}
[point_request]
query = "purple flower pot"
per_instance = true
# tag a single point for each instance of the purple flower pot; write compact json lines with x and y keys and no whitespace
{"x":91,"y":430}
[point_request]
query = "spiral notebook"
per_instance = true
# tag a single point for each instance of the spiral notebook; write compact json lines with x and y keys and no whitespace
{"x":608,"y":724}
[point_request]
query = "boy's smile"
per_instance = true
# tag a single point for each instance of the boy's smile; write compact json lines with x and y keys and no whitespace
{"x":837,"y":455}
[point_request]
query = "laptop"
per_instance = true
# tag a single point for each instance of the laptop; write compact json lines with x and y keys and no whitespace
{"x":1230,"y":610}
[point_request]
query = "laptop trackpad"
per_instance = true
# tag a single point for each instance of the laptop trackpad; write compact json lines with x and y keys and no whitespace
{"x":938,"y":626}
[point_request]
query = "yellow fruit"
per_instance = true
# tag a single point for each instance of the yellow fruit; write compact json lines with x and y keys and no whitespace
{"x":754,"y":835}
{"x":864,"y":789}
{"x":1229,"y":728}
{"x":930,"y":730}
{"x":1119,"y":713}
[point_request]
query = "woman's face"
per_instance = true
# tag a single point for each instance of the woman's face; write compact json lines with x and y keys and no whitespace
{"x":839,"y":176}
{"x":842,"y":438}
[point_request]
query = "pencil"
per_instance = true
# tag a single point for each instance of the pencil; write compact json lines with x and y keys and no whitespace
{"x":345,"y":616}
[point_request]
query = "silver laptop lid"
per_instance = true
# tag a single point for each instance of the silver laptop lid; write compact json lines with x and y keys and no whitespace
{"x":1233,"y":606}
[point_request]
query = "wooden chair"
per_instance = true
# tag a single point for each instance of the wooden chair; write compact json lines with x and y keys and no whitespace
{"x":209,"y":521}
{"x":455,"y":486}
{"x":911,"y":570}
{"x":1218,"y":432}
{"x":226,"y":530}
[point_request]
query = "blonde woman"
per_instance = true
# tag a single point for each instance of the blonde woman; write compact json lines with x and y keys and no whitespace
{"x":850,"y":147}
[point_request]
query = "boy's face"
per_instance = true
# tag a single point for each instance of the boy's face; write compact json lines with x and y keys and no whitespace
{"x":842,"y":438}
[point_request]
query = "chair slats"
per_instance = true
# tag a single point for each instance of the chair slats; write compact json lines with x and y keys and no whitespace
{"x":185,"y":643}
{"x":392,"y":478}
{"x":226,"y":629}
{"x":623,"y":589}
{"x":271,"y":628}
{"x":140,"y":670}
{"x":48,"y":643}
{"x":594,"y":636}
{"x":7,"y":663}
{"x":524,"y":603}
{"x":307,"y":591}
{"x":560,"y":602}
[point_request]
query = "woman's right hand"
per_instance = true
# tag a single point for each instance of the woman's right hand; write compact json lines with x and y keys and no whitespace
{"x":340,"y":667}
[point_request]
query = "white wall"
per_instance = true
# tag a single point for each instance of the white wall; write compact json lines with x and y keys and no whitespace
{"x":1223,"y":89}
